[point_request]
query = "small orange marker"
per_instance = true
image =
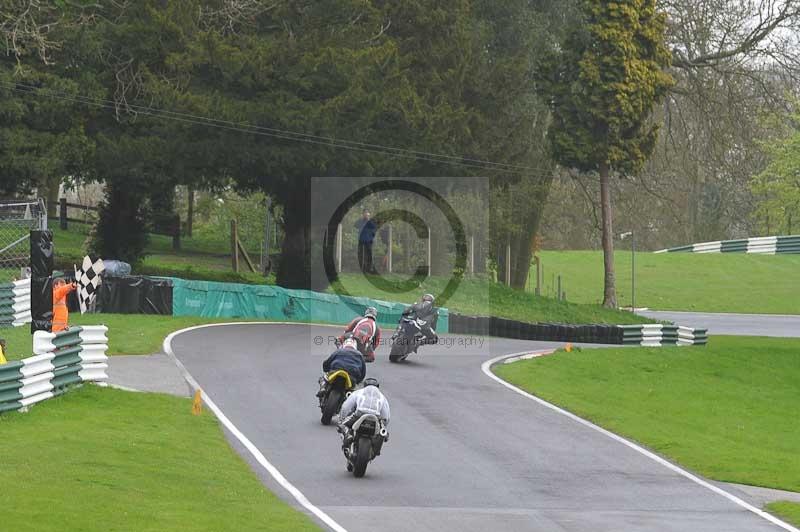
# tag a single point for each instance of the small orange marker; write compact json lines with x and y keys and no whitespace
{"x":568,"y":347}
{"x":197,"y":403}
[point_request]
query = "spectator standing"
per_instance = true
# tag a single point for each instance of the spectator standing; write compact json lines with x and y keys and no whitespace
{"x":366,"y":235}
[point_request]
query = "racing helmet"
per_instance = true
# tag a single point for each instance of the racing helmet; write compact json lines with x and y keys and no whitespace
{"x":429,"y":298}
{"x":371,"y":381}
{"x":371,"y":312}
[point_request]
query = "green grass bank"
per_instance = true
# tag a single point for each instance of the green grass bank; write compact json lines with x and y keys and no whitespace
{"x":727,"y":410}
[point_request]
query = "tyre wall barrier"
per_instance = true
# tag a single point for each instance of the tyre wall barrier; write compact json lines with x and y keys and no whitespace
{"x":769,"y":245}
{"x":60,"y":361}
{"x":130,"y":294}
{"x":645,"y":334}
{"x":232,"y":300}
{"x":15,"y":303}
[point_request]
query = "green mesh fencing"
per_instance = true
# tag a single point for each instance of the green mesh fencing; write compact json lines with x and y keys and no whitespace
{"x":230,"y":300}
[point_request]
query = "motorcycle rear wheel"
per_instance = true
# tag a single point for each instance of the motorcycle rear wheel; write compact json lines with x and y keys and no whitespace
{"x":362,"y":457}
{"x":398,"y":353}
{"x":331,"y":406}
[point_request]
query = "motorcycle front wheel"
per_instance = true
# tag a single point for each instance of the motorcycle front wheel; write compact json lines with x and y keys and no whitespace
{"x":331,"y":406}
{"x":362,"y":457}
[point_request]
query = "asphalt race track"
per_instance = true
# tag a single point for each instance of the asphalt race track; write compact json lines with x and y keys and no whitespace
{"x":465,"y":453}
{"x":733,"y":324}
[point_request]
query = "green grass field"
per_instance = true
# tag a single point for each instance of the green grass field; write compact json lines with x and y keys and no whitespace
{"x":98,"y":459}
{"x":713,"y":282}
{"x":728,"y":410}
{"x":789,"y":511}
{"x":481,"y":297}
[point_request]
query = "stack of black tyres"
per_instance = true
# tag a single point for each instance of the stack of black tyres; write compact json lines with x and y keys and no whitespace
{"x":550,"y":332}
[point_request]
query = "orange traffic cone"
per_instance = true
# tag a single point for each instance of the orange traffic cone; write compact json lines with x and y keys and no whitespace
{"x":197,"y":403}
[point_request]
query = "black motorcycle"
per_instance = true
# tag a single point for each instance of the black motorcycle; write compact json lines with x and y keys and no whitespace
{"x":366,"y":442}
{"x":406,"y":338}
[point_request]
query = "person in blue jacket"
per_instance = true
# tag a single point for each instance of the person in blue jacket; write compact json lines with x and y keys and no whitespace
{"x":366,"y":235}
{"x":348,"y":358}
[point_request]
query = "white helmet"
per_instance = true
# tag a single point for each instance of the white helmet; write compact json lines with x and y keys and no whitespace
{"x":350,"y":343}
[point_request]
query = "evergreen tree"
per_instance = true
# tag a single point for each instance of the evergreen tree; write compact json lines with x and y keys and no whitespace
{"x":602,"y":86}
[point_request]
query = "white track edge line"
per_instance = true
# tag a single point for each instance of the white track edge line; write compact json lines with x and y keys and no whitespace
{"x":486,"y":368}
{"x":260,"y":458}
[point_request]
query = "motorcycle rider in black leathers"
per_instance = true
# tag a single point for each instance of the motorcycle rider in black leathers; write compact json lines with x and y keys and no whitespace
{"x":348,"y":358}
{"x":424,"y":310}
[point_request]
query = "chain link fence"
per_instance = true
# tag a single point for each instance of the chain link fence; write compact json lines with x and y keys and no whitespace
{"x":17,"y":219}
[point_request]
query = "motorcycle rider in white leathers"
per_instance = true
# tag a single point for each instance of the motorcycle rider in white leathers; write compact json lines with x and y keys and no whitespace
{"x":366,"y":400}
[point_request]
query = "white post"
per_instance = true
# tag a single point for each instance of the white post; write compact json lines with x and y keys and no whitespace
{"x":389,"y":262}
{"x":472,"y":255}
{"x":508,"y":264}
{"x":429,"y":250}
{"x":339,"y":249}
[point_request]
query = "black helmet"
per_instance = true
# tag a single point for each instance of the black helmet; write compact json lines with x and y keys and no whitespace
{"x":428,"y":297}
{"x":370,"y":381}
{"x":371,"y":312}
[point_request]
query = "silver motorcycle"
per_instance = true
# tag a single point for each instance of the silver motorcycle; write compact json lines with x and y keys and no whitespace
{"x":366,"y":438}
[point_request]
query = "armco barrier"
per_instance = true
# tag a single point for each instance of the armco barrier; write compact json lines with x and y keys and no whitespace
{"x":60,"y":360}
{"x":231,"y":300}
{"x":15,"y":303}
{"x":765,"y":244}
{"x":645,"y":334}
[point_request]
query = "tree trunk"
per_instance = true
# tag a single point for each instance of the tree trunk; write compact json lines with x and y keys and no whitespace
{"x":531,"y":217}
{"x":294,"y":268}
{"x":49,"y":189}
{"x":521,"y":254}
{"x":609,"y":284}
{"x":480,"y":256}
{"x":190,"y":213}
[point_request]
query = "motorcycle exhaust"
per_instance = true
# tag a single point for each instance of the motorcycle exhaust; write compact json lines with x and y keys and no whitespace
{"x":384,"y":432}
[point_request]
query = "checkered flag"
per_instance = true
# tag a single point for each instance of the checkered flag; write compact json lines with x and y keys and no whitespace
{"x":88,"y":279}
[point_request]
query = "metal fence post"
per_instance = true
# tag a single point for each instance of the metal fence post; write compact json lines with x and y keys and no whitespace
{"x":339,"y":248}
{"x":429,"y":250}
{"x":472,"y":255}
{"x":508,"y":264}
{"x":389,"y":258}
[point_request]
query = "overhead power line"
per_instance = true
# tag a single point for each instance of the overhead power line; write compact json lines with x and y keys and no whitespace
{"x":296,"y":136}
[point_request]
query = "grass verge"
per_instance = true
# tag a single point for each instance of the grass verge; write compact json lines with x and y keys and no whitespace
{"x":99,"y":459}
{"x":788,"y":511}
{"x":485,"y":298}
{"x":128,"y":334}
{"x":726,"y":410}
{"x":709,"y":282}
